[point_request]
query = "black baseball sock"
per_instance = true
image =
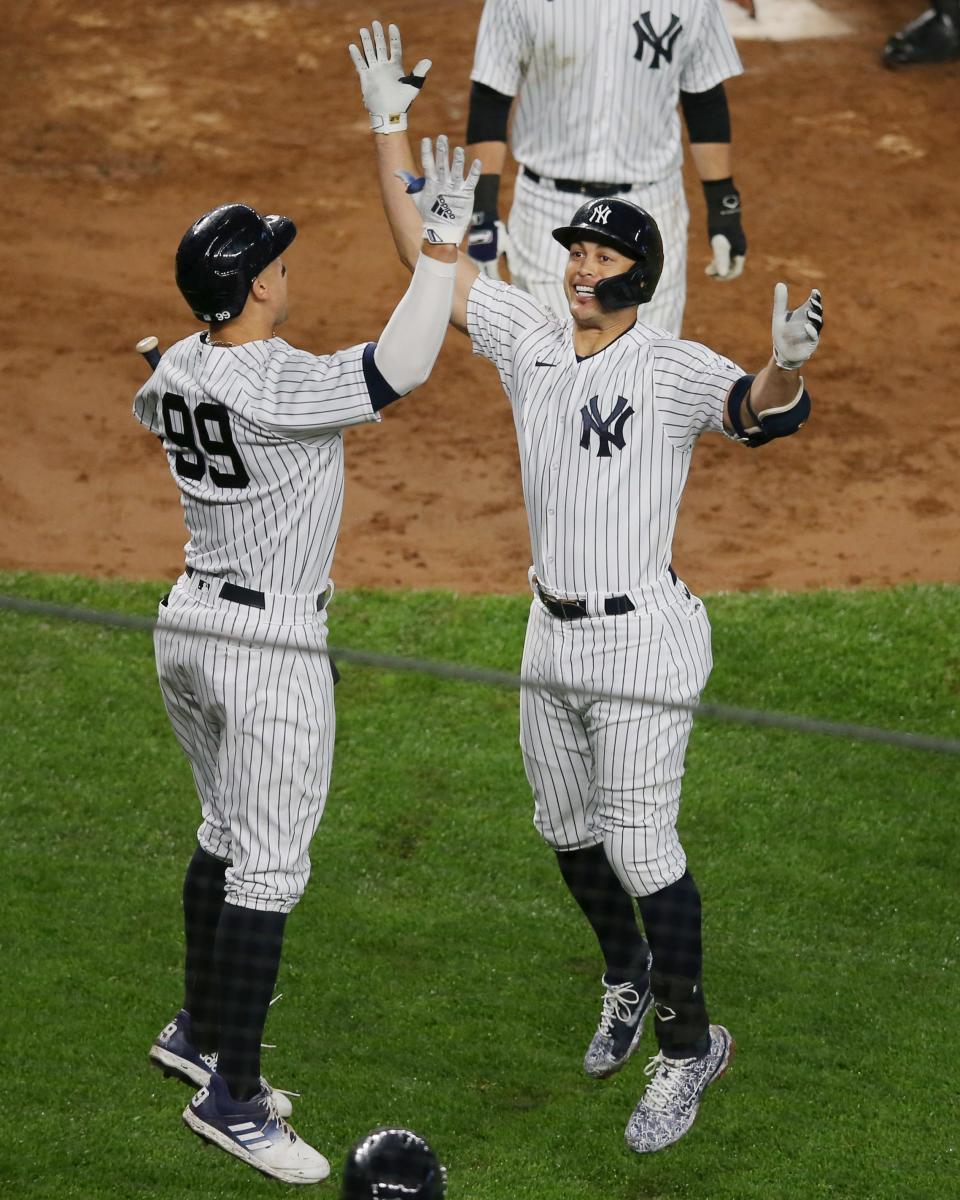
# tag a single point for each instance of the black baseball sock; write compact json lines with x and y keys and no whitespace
{"x":608,"y":908}
{"x":671,"y":918}
{"x":202,"y":905}
{"x":248,"y":959}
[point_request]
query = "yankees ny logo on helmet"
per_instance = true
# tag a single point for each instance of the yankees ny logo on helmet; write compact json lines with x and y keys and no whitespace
{"x":594,"y":423}
{"x":660,"y":43}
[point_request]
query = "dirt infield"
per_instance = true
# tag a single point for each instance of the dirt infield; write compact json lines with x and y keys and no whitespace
{"x":121,"y":128}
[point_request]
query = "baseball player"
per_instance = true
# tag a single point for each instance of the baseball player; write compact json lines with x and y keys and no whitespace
{"x":593,"y":91}
{"x":608,"y":409}
{"x":253,"y":430}
{"x":393,"y":1164}
{"x":932,"y":37}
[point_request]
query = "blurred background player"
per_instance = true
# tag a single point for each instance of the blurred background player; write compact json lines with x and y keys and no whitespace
{"x":933,"y":37}
{"x":593,"y":92}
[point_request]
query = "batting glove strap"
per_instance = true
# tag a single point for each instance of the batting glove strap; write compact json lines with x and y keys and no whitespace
{"x":387,"y":90}
{"x":796,"y":332}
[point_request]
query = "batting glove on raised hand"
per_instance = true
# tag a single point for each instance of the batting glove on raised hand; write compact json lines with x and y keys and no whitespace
{"x":725,"y":230}
{"x":443,"y":196}
{"x":796,"y":332}
{"x":387,"y":91}
{"x":487,"y":240}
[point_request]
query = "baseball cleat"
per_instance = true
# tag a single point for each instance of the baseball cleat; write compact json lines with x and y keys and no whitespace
{"x":253,"y":1131}
{"x":932,"y":38}
{"x":625,"y":1005}
{"x":175,"y":1055}
{"x":669,"y":1105}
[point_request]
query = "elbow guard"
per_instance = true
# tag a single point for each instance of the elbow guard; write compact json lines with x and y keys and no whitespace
{"x":756,"y":429}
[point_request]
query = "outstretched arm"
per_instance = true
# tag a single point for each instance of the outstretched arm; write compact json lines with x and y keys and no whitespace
{"x":422,"y":211}
{"x":775,"y":403}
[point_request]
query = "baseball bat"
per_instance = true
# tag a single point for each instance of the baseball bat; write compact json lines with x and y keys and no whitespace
{"x":148,"y":348}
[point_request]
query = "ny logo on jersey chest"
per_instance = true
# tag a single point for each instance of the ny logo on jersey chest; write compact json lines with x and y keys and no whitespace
{"x":594,"y":423}
{"x":661,"y":44}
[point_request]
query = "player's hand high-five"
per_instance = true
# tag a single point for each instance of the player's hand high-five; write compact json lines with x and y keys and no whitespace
{"x":387,"y":90}
{"x":443,"y":195}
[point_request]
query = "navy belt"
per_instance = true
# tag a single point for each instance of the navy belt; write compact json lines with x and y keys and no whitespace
{"x":592,"y":188}
{"x":250,"y":596}
{"x":566,"y":609}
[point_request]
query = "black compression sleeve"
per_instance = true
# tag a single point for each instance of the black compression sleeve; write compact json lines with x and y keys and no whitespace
{"x":707,"y":115}
{"x":487,"y":119}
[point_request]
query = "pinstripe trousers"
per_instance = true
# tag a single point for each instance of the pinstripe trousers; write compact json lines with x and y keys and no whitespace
{"x":257,"y":725}
{"x":608,"y":770}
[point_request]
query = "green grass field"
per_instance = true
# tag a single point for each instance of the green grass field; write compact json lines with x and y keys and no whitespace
{"x":436,"y":974}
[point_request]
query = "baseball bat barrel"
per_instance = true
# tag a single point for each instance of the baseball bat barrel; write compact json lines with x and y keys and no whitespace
{"x":148,"y":348}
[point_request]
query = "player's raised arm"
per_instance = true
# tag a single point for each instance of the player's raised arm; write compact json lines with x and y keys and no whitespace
{"x":423,"y":211}
{"x":775,"y":403}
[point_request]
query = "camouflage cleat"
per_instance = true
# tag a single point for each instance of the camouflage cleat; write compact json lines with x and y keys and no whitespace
{"x":669,"y":1105}
{"x":625,"y":1005}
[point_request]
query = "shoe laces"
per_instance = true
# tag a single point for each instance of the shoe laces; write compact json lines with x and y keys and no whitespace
{"x":269,"y":1102}
{"x":273,"y":1046}
{"x":670,"y":1078}
{"x":619,"y":1001}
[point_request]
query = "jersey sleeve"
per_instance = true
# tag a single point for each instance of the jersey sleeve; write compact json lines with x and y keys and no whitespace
{"x":712,"y":55}
{"x":146,"y":407}
{"x":498,"y":315}
{"x":295,"y":393}
{"x":691,"y":384}
{"x":504,"y":45}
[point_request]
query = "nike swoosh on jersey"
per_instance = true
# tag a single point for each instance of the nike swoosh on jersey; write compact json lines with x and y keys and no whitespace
{"x":544,"y":364}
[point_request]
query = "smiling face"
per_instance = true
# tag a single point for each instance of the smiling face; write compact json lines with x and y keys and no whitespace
{"x":589,"y":262}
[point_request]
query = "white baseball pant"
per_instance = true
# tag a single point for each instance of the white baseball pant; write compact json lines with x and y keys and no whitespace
{"x":257,"y":724}
{"x":609,"y":770}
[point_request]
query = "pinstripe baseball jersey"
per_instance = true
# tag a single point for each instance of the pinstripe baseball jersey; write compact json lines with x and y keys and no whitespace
{"x":253,"y":436}
{"x":598,"y":81}
{"x":605,"y":441}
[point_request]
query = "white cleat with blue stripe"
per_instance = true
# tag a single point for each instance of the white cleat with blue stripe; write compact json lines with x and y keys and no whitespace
{"x":253,"y":1131}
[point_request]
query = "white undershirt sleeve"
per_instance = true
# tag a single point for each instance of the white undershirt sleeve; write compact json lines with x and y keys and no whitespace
{"x":411,"y":340}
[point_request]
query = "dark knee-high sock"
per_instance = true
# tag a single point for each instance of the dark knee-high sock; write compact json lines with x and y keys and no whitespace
{"x":608,"y":908}
{"x":248,"y":959}
{"x":202,"y":905}
{"x":671,"y":918}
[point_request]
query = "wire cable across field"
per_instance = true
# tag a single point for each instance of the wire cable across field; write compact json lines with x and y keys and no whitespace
{"x":510,"y":681}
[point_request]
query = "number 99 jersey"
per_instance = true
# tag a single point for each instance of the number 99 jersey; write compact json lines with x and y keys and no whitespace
{"x":253,"y":436}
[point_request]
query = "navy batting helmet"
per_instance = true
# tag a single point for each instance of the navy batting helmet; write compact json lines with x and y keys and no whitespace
{"x":628,"y":228}
{"x":393,"y":1164}
{"x":221,"y":255}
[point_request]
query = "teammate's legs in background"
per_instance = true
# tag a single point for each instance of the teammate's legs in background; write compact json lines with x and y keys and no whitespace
{"x":536,"y":261}
{"x":667,"y":204}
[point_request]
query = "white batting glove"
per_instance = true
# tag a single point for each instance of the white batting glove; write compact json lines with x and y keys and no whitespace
{"x":723,"y":268}
{"x":443,"y":196}
{"x":387,"y":91}
{"x":796,"y":332}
